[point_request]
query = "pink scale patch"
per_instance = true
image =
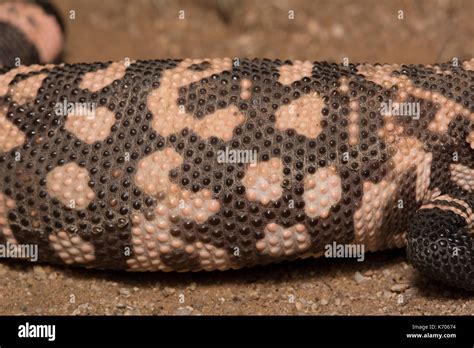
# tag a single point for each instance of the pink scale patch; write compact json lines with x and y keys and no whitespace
{"x":279,"y":241}
{"x":185,"y":204}
{"x":322,"y":190}
{"x":96,"y":80}
{"x":8,"y":77}
{"x":295,"y":72}
{"x":26,"y":90}
{"x":69,"y":184}
{"x":369,"y":218}
{"x":354,"y":123}
{"x":220,"y":124}
{"x":303,"y":115}
{"x":463,"y":176}
{"x":153,"y":171}
{"x":72,"y":248}
{"x":437,"y":69}
{"x":353,"y":127}
{"x":210,"y":257}
{"x":344,"y":85}
{"x":470,"y":139}
{"x":151,"y":237}
{"x":382,"y":75}
{"x":245,"y":92}
{"x":93,"y":128}
{"x":263,"y":181}
{"x":468,"y":64}
{"x":411,"y":155}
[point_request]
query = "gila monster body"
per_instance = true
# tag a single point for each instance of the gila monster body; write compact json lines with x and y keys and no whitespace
{"x":151,"y":178}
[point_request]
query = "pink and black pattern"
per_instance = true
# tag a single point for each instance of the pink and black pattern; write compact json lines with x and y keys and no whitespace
{"x":140,"y":185}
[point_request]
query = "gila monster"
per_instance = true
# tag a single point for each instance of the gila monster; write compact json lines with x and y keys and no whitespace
{"x":151,"y":179}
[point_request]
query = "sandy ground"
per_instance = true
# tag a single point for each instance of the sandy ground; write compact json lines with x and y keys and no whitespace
{"x":382,"y":284}
{"x":430,"y":31}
